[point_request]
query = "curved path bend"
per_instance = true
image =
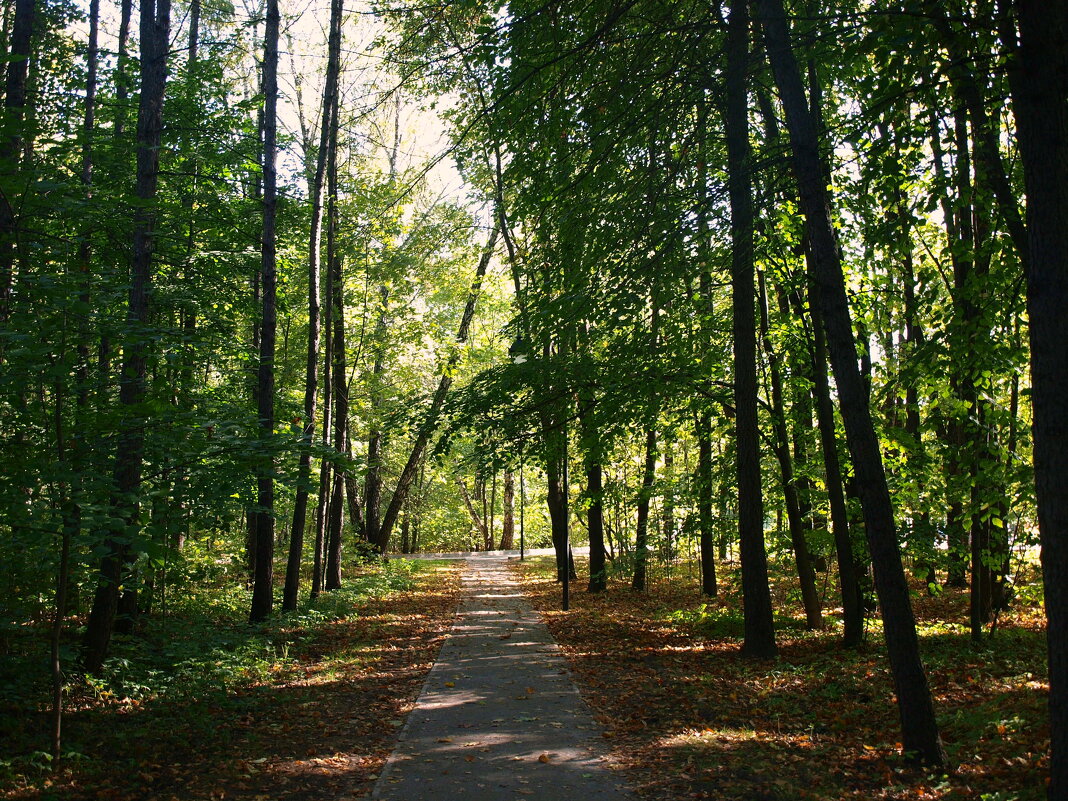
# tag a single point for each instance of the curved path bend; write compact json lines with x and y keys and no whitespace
{"x":499,"y":716}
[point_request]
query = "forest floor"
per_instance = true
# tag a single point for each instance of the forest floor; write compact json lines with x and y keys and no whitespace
{"x":689,"y":717}
{"x":308,"y":708}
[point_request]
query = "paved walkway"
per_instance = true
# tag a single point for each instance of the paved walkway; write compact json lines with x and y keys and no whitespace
{"x":499,"y":717}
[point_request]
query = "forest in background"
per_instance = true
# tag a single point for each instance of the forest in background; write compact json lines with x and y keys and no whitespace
{"x":705,"y":280}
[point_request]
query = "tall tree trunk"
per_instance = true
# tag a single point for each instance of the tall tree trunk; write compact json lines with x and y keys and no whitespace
{"x":961,"y":246}
{"x":595,"y":522}
{"x":592,"y":456}
{"x":704,"y":505}
{"x":263,"y":585}
{"x":556,"y":499}
{"x":372,"y":493}
{"x":919,"y":728}
{"x":340,"y":369}
{"x":311,"y":385}
{"x":704,"y":419}
{"x":849,"y":586}
{"x":129,"y":457}
{"x":322,"y":506}
{"x":803,"y":561}
{"x":668,"y":527}
{"x":18,"y":64}
{"x":756,"y":592}
{"x":72,"y":513}
{"x":122,"y":90}
{"x":641,"y":529}
{"x":1042,"y":119}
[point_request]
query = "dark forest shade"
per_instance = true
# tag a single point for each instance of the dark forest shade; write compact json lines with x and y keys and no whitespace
{"x":129,"y":456}
{"x":920,"y":736}
{"x":1040,"y":104}
{"x":759,"y":624}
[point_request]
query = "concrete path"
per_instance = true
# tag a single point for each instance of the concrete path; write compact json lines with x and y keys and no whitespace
{"x":499,"y":717}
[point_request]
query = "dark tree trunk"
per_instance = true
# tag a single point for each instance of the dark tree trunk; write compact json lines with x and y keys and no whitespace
{"x":129,"y":458}
{"x":704,"y":419}
{"x":668,"y":528}
{"x":340,"y":369}
{"x":989,"y":167}
{"x":641,"y":529}
{"x":1042,"y":119}
{"x":956,"y":535}
{"x":704,"y":505}
{"x":322,"y":506}
{"x":72,"y":513}
{"x":263,"y":585}
{"x":852,"y":600}
{"x":122,"y":90}
{"x":556,"y":497}
{"x":18,"y":65}
{"x":803,"y":561}
{"x":372,"y":492}
{"x":920,"y":736}
{"x":595,"y":522}
{"x":311,"y":385}
{"x":352,"y":493}
{"x":756,"y":593}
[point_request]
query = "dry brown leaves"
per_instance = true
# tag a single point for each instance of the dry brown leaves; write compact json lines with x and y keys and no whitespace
{"x":688,"y":717}
{"x":321,"y":731}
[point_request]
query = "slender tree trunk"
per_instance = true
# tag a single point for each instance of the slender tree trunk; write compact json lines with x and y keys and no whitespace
{"x":592,"y":456}
{"x":852,"y":601}
{"x":322,"y":506}
{"x":595,"y":522}
{"x":704,"y":419}
{"x":756,"y":593}
{"x":263,"y":585}
{"x":353,"y":500}
{"x":340,"y":368}
{"x":803,"y":561}
{"x":122,"y":90}
{"x":1042,"y":119}
{"x":72,"y":505}
{"x":11,"y":147}
{"x":508,"y":512}
{"x":641,"y":528}
{"x":372,"y":493}
{"x":919,"y":728}
{"x":129,"y":458}
{"x":311,"y":386}
{"x":556,"y":495}
{"x":478,"y":518}
{"x":668,"y":522}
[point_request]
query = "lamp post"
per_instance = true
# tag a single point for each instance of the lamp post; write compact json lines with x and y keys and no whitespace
{"x":567,"y":528}
{"x":518,"y":353}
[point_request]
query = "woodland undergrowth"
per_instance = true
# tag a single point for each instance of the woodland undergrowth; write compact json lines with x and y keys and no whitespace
{"x":688,"y":717}
{"x":201,"y":705}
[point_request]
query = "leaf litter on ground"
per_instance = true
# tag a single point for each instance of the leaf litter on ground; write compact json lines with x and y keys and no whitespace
{"x":688,"y":717}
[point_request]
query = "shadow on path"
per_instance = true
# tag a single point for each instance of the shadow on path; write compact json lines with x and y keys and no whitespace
{"x":499,"y":716}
